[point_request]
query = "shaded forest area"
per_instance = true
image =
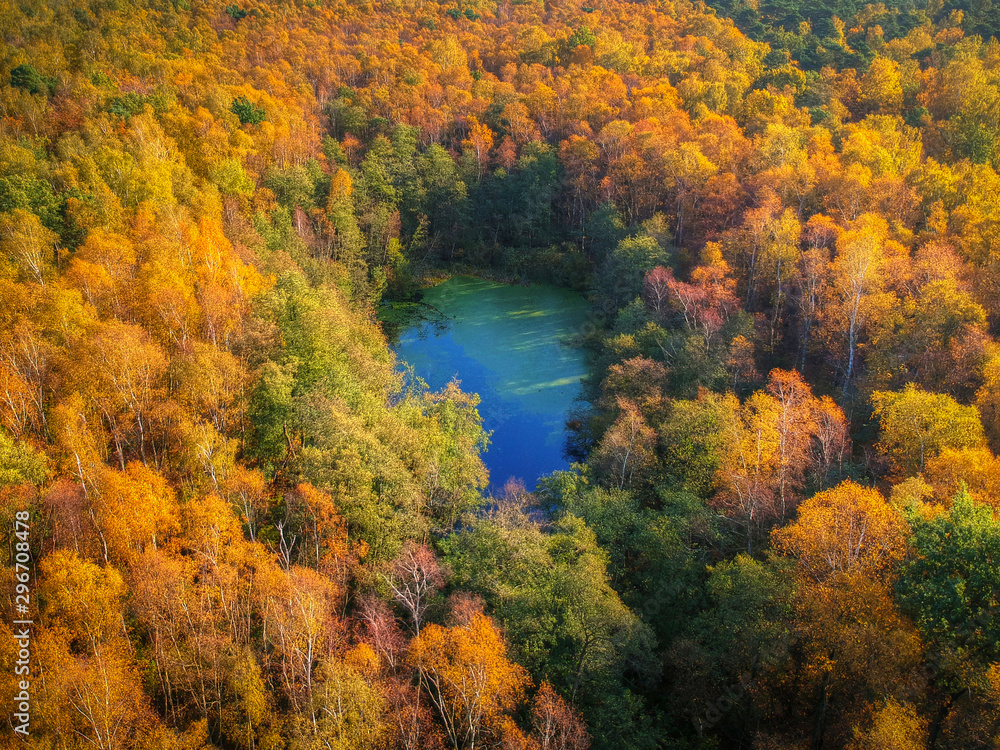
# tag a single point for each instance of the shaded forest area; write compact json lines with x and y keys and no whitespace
{"x":250,"y":529}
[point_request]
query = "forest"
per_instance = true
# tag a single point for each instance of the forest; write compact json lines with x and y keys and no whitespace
{"x":239,"y":524}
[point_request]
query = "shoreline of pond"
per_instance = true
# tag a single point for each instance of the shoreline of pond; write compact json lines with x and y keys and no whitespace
{"x":393,"y":314}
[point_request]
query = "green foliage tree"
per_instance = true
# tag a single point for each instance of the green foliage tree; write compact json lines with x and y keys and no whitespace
{"x":248,"y":112}
{"x":20,"y":463}
{"x":26,"y":77}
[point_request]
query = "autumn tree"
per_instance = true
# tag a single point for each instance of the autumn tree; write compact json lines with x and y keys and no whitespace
{"x":557,"y":725}
{"x":856,"y":286}
{"x":91,"y":685}
{"x":704,"y":305}
{"x":121,"y":376}
{"x":845,"y":529}
{"x":415,"y":577}
{"x":848,"y":542}
{"x":301,"y":622}
{"x":917,"y":425}
{"x":894,"y":725}
{"x":627,"y":449}
{"x":748,"y":462}
{"x":796,"y":426}
{"x":30,"y":246}
{"x":468,"y":678}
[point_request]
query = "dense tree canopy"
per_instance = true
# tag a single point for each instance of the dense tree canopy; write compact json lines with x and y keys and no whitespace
{"x":251,"y":527}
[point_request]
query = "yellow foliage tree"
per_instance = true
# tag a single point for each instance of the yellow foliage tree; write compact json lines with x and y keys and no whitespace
{"x":469,"y":679}
{"x":846,"y":529}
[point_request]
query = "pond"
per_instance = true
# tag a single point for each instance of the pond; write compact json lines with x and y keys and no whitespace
{"x":511,"y":345}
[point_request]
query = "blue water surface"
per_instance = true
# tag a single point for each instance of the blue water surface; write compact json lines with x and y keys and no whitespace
{"x":511,"y":345}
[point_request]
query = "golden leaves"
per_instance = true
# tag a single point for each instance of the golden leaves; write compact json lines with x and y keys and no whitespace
{"x":848,"y":529}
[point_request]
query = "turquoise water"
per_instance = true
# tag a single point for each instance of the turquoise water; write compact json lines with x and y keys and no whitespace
{"x":509,"y":344}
